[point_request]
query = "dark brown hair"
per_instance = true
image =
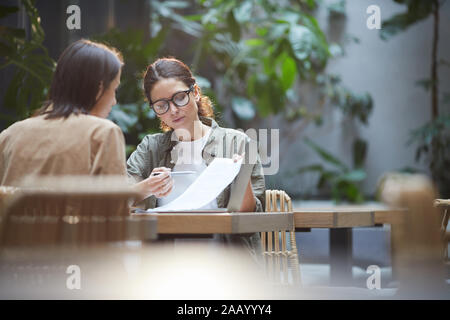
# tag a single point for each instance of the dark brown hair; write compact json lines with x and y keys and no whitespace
{"x":81,"y":69}
{"x":166,"y":68}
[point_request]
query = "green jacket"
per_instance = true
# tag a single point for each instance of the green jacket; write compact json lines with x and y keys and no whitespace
{"x":155,"y":150}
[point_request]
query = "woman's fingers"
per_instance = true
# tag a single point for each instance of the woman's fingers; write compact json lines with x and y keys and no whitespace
{"x":159,"y":174}
{"x":165,"y":191}
{"x":159,"y":185}
{"x":236,"y":157}
{"x":162,"y":186}
{"x":159,"y":182}
{"x":157,"y":178}
{"x":159,"y":171}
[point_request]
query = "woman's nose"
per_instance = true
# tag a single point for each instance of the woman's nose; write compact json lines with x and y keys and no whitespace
{"x":173,"y":108}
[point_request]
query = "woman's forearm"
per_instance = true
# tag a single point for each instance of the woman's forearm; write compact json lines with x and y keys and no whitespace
{"x":140,"y":189}
{"x":249,"y":202}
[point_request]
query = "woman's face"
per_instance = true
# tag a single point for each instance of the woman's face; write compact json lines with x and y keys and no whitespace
{"x":105,"y":102}
{"x":176,"y":117}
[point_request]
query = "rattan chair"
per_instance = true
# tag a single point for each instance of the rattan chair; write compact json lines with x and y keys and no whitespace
{"x":6,"y":192}
{"x":444,"y":204}
{"x":71,"y":210}
{"x":279,"y":247}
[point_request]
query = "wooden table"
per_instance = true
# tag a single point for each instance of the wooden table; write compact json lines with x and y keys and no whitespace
{"x":334,"y":217}
{"x":224,"y":223}
{"x":340,"y":220}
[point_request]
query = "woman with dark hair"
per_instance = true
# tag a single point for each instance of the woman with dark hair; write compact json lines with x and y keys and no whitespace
{"x":191,"y":139}
{"x":69,"y":135}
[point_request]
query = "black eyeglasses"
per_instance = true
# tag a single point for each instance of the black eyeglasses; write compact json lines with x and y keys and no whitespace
{"x":179,"y":99}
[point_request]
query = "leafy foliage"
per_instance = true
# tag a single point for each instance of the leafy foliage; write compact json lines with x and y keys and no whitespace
{"x":342,"y":180}
{"x":417,"y":10}
{"x":357,"y":106}
{"x":261,"y":48}
{"x":432,"y":138}
{"x":433,"y":141}
{"x":33,"y":66}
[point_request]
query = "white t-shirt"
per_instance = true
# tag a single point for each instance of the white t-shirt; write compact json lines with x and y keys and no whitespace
{"x":189,"y":159}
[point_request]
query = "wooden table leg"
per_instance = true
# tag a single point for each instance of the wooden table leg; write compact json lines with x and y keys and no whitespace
{"x":341,"y":256}
{"x":394,"y":262}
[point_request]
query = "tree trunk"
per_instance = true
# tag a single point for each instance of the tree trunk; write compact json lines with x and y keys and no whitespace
{"x":434,"y":168}
{"x":434,"y":75}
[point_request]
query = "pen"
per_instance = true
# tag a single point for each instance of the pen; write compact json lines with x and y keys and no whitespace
{"x":175,"y":173}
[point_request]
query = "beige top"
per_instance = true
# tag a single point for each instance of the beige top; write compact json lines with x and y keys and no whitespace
{"x":79,"y":145}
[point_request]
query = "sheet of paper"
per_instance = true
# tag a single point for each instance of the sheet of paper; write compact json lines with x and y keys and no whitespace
{"x":211,"y":182}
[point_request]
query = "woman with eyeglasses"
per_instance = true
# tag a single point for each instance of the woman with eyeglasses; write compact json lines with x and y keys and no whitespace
{"x":190,"y":140}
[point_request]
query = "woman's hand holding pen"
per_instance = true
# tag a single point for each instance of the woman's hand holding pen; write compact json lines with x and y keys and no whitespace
{"x":159,"y":183}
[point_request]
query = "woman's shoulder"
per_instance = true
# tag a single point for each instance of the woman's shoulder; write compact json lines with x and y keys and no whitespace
{"x":92,"y":125}
{"x":231,"y":133}
{"x":156,"y":140}
{"x":20,"y":125}
{"x":223,"y":131}
{"x":81,"y":126}
{"x":81,"y":120}
{"x":90,"y":120}
{"x":156,"y":137}
{"x":235,"y":132}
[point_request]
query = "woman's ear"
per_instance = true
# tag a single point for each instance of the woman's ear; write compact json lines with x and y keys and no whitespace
{"x":197,"y":94}
{"x":100,"y":91}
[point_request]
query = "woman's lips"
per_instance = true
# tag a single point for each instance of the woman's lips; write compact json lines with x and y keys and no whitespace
{"x":178,"y":119}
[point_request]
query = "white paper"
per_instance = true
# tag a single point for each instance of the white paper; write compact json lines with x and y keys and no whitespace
{"x":211,"y":182}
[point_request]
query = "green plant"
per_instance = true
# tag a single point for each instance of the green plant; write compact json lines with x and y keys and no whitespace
{"x":433,"y":141}
{"x":432,"y":138}
{"x":259,"y":49}
{"x":33,"y":67}
{"x":355,"y":106}
{"x":341,"y":179}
